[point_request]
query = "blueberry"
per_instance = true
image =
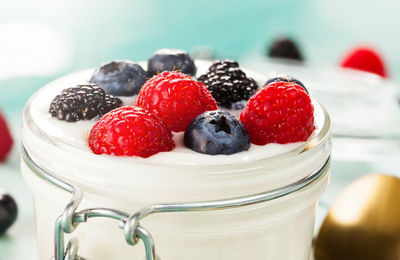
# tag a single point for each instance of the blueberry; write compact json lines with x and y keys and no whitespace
{"x":216,"y":132}
{"x":285,"y":48}
{"x":286,"y":78}
{"x":169,"y":60}
{"x":120,"y":78}
{"x":8,"y":211}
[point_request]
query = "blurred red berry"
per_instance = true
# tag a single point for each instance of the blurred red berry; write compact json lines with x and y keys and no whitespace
{"x":6,"y":140}
{"x":365,"y":59}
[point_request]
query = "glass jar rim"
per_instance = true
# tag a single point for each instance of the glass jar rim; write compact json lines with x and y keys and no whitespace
{"x":319,"y":136}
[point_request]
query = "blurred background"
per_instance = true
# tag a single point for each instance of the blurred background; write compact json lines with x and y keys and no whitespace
{"x":43,"y":40}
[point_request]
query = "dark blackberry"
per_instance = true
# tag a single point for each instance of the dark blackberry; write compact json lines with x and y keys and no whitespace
{"x":227,"y":83}
{"x":83,"y":102}
{"x":285,"y":48}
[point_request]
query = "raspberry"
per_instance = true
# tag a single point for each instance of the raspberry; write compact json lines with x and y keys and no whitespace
{"x":6,"y":140}
{"x":279,"y":113}
{"x":176,"y":99}
{"x":130,"y":131}
{"x":365,"y":59}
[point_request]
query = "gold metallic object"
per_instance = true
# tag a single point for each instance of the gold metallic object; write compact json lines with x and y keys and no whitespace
{"x":363,"y":222}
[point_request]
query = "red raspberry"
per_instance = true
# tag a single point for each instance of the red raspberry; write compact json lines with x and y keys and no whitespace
{"x":281,"y":113}
{"x":365,"y":59}
{"x":130,"y":131}
{"x":176,"y":99}
{"x":6,"y":140}
{"x":166,"y":75}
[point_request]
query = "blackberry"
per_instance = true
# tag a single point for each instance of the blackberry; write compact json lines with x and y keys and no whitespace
{"x":285,"y":48}
{"x":227,"y":83}
{"x":83,"y":102}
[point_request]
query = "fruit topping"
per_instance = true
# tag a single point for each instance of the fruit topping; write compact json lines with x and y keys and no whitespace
{"x":286,"y":78}
{"x":83,"y":102}
{"x":281,"y":112}
{"x":130,"y":131}
{"x":170,"y":60}
{"x":285,"y":48}
{"x":120,"y":78}
{"x":216,"y":132}
{"x":228,"y":84}
{"x":8,"y":211}
{"x":365,"y":59}
{"x":175,"y":98}
{"x":6,"y":140}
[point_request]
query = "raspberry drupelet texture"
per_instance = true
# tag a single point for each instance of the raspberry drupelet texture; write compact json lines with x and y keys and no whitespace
{"x":83,"y":102}
{"x":281,"y":112}
{"x":175,"y":98}
{"x":130,"y":131}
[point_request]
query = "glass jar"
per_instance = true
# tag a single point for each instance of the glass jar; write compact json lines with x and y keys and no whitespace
{"x":252,"y":208}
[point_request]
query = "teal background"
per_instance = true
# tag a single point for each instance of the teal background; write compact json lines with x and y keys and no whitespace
{"x":98,"y":31}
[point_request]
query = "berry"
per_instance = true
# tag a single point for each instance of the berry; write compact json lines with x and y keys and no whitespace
{"x":228,"y":84}
{"x":170,"y":60}
{"x":216,"y":132}
{"x":120,"y":78}
{"x":8,"y":211}
{"x":130,"y":131}
{"x":365,"y":59}
{"x":6,"y":140}
{"x":175,"y":98}
{"x":281,"y":112}
{"x":285,"y":48}
{"x":83,"y":102}
{"x":286,"y":78}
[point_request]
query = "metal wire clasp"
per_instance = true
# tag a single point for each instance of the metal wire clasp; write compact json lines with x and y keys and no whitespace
{"x":70,"y":219}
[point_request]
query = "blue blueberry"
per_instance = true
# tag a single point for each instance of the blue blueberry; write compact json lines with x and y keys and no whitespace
{"x":120,"y":78}
{"x":286,"y":78}
{"x":8,"y":211}
{"x":169,"y":60}
{"x":216,"y":132}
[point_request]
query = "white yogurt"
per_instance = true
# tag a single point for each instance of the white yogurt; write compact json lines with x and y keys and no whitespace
{"x":279,"y":229}
{"x":76,"y":133}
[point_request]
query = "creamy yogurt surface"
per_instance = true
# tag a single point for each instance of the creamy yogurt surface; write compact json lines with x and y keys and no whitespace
{"x":76,"y":134}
